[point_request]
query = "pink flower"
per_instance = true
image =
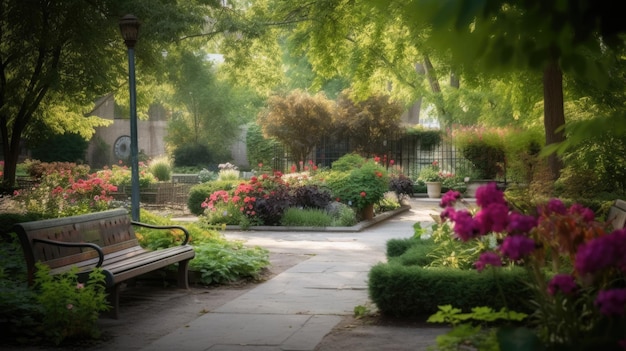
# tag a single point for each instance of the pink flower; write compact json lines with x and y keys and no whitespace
{"x":489,"y":194}
{"x":521,"y":224}
{"x":612,"y":302}
{"x":487,"y":258}
{"x":492,"y":218}
{"x":80,"y":286}
{"x":449,"y":198}
{"x":516,"y":247}
{"x":363,"y":194}
{"x":564,"y":283}
{"x":464,"y":225}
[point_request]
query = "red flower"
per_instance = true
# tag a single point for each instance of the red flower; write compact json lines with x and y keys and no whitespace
{"x":363,"y":194}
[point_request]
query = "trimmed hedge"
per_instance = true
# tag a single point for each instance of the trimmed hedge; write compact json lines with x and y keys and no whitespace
{"x":396,"y":247}
{"x":413,"y":291}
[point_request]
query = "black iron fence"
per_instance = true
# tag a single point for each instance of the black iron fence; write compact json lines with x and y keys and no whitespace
{"x":407,"y":152}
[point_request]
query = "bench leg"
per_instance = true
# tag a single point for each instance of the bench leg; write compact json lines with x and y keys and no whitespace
{"x":183,"y":274}
{"x":114,"y":301}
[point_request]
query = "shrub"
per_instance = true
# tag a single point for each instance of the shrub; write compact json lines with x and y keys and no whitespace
{"x":199,"y":193}
{"x":361,"y":186}
{"x":206,"y":176}
{"x":306,"y":217}
{"x":70,"y":308}
{"x":217,"y":259}
{"x":396,"y":247}
{"x":228,"y":174}
{"x":413,"y":291}
{"x":161,"y":169}
{"x":401,"y":185}
{"x":192,"y":155}
{"x":348,"y":162}
{"x":484,"y":148}
{"x":311,"y":196}
{"x":226,"y":262}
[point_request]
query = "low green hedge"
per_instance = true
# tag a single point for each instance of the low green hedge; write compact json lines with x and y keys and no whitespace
{"x":413,"y":291}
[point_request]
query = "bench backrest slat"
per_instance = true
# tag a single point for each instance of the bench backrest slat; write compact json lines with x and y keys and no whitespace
{"x":111,"y":230}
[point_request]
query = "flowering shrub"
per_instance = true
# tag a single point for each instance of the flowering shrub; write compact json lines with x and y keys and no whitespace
{"x":433,"y":173}
{"x":581,"y":302}
{"x":121,"y":175}
{"x":262,"y":200}
{"x":362,"y":186}
{"x":483,"y":147}
{"x":64,"y":193}
{"x":70,"y":308}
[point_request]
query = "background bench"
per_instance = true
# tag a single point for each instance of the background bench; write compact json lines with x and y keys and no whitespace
{"x":103,"y":239}
{"x":617,"y":214}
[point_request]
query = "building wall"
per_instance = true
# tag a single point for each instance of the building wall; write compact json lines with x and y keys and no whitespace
{"x":150,"y":135}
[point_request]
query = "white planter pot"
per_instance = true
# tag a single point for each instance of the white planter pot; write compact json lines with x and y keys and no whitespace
{"x":433,"y":189}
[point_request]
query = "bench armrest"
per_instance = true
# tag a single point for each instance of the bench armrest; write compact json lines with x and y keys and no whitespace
{"x":66,"y":244}
{"x":146,"y":225}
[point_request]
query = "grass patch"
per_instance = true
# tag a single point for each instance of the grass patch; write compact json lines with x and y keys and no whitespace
{"x":306,"y":218}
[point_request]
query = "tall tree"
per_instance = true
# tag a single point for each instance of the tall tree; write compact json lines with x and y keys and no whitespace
{"x":368,"y":124}
{"x":57,"y":57}
{"x":298,"y":120}
{"x":551,"y":37}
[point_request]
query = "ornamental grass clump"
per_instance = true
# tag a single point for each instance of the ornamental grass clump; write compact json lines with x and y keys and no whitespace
{"x":577,"y":265}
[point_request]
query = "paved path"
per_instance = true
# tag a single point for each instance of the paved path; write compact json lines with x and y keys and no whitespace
{"x":297,"y":308}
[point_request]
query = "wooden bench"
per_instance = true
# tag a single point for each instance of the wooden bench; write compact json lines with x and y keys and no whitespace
{"x":102,"y":239}
{"x":617,"y":214}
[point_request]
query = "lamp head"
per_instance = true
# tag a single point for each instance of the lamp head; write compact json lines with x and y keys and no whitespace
{"x":129,"y":26}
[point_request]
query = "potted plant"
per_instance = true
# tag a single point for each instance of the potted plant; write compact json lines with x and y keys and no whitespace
{"x":432,"y":176}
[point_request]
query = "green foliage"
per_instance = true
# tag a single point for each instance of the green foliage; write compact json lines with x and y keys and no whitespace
{"x":309,"y":217}
{"x":368,"y":123}
{"x":360,"y":186}
{"x":418,"y":254}
{"x":468,"y":327}
{"x":121,"y":175}
{"x":68,"y":147}
{"x":192,"y":154}
{"x":342,"y":214}
{"x":258,"y":148}
{"x":348,"y":162}
{"x":484,"y":148}
{"x":428,"y":138}
{"x":70,"y":308}
{"x":199,"y":193}
{"x":161,"y":169}
{"x":413,"y":291}
{"x":221,"y":263}
{"x":298,"y":120}
{"x":218,"y":260}
{"x":206,"y":176}
{"x":396,"y":247}
{"x":454,"y":253}
{"x":431,"y":173}
{"x":228,"y":175}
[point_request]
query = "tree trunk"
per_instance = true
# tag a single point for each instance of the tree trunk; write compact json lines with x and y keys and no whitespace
{"x":431,"y":75}
{"x":553,"y":115}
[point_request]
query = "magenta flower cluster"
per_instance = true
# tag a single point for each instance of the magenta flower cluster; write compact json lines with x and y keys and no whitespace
{"x":600,"y":254}
{"x":563,"y":283}
{"x":494,"y":216}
